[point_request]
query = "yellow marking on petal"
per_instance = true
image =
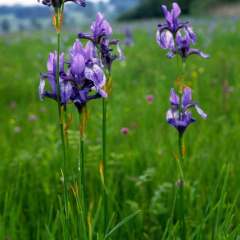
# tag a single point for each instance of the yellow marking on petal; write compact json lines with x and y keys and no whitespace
{"x":11,"y":121}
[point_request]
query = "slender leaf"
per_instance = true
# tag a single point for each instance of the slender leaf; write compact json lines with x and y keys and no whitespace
{"x":122,"y":222}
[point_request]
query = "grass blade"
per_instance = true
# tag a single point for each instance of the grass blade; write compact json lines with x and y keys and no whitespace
{"x":122,"y":222}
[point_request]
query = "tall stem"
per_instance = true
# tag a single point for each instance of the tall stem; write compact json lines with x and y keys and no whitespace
{"x":62,"y":137}
{"x":104,"y":135}
{"x":182,"y":208}
{"x":81,"y":176}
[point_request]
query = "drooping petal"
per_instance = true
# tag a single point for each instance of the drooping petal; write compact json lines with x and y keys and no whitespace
{"x":94,"y":73}
{"x":171,"y":54}
{"x":41,"y":88}
{"x":86,"y":36}
{"x":65,"y":91}
{"x":200,"y":111}
{"x":191,"y":34}
{"x":121,"y":56}
{"x":79,"y":2}
{"x":164,"y":39}
{"x":198,"y":52}
{"x":102,"y":93}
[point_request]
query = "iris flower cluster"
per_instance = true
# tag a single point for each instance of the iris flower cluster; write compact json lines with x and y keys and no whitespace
{"x":84,"y":72}
{"x":169,"y":35}
{"x":82,"y":75}
{"x":101,"y":31}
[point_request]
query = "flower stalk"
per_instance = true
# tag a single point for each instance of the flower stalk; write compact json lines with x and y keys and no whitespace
{"x":58,"y":24}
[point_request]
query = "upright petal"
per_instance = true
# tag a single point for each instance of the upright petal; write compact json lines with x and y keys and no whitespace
{"x":187,"y":97}
{"x":77,"y":67}
{"x":77,"y":48}
{"x":167,"y":15}
{"x":107,"y":28}
{"x":176,"y":11}
{"x":50,"y":63}
{"x":174,"y":99}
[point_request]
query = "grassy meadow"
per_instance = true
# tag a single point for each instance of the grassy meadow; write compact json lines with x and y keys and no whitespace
{"x":142,"y":168}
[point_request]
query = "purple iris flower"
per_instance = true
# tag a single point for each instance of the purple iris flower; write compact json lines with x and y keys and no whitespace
{"x":183,"y":48}
{"x":128,"y":40}
{"x":83,"y":66}
{"x":58,"y":3}
{"x":101,"y":31}
{"x":172,"y":26}
{"x":181,"y":123}
{"x":77,"y":82}
{"x":65,"y":85}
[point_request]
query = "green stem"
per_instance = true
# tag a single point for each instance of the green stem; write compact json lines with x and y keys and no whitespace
{"x":81,"y":179}
{"x":182,"y":210}
{"x":105,"y":196}
{"x":62,"y":138}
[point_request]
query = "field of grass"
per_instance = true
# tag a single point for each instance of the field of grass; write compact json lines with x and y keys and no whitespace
{"x":142,"y":168}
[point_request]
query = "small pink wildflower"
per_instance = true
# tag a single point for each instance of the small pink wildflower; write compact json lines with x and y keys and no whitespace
{"x":13,"y":105}
{"x":98,"y":139}
{"x":160,"y":153}
{"x":43,"y":109}
{"x":32,"y":117}
{"x":149,"y":98}
{"x":178,"y":183}
{"x":17,"y":129}
{"x":124,"y":130}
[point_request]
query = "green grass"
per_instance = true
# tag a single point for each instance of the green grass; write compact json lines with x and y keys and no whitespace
{"x":142,"y":168}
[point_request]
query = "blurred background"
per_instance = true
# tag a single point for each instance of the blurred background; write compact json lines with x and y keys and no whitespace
{"x":25,"y":15}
